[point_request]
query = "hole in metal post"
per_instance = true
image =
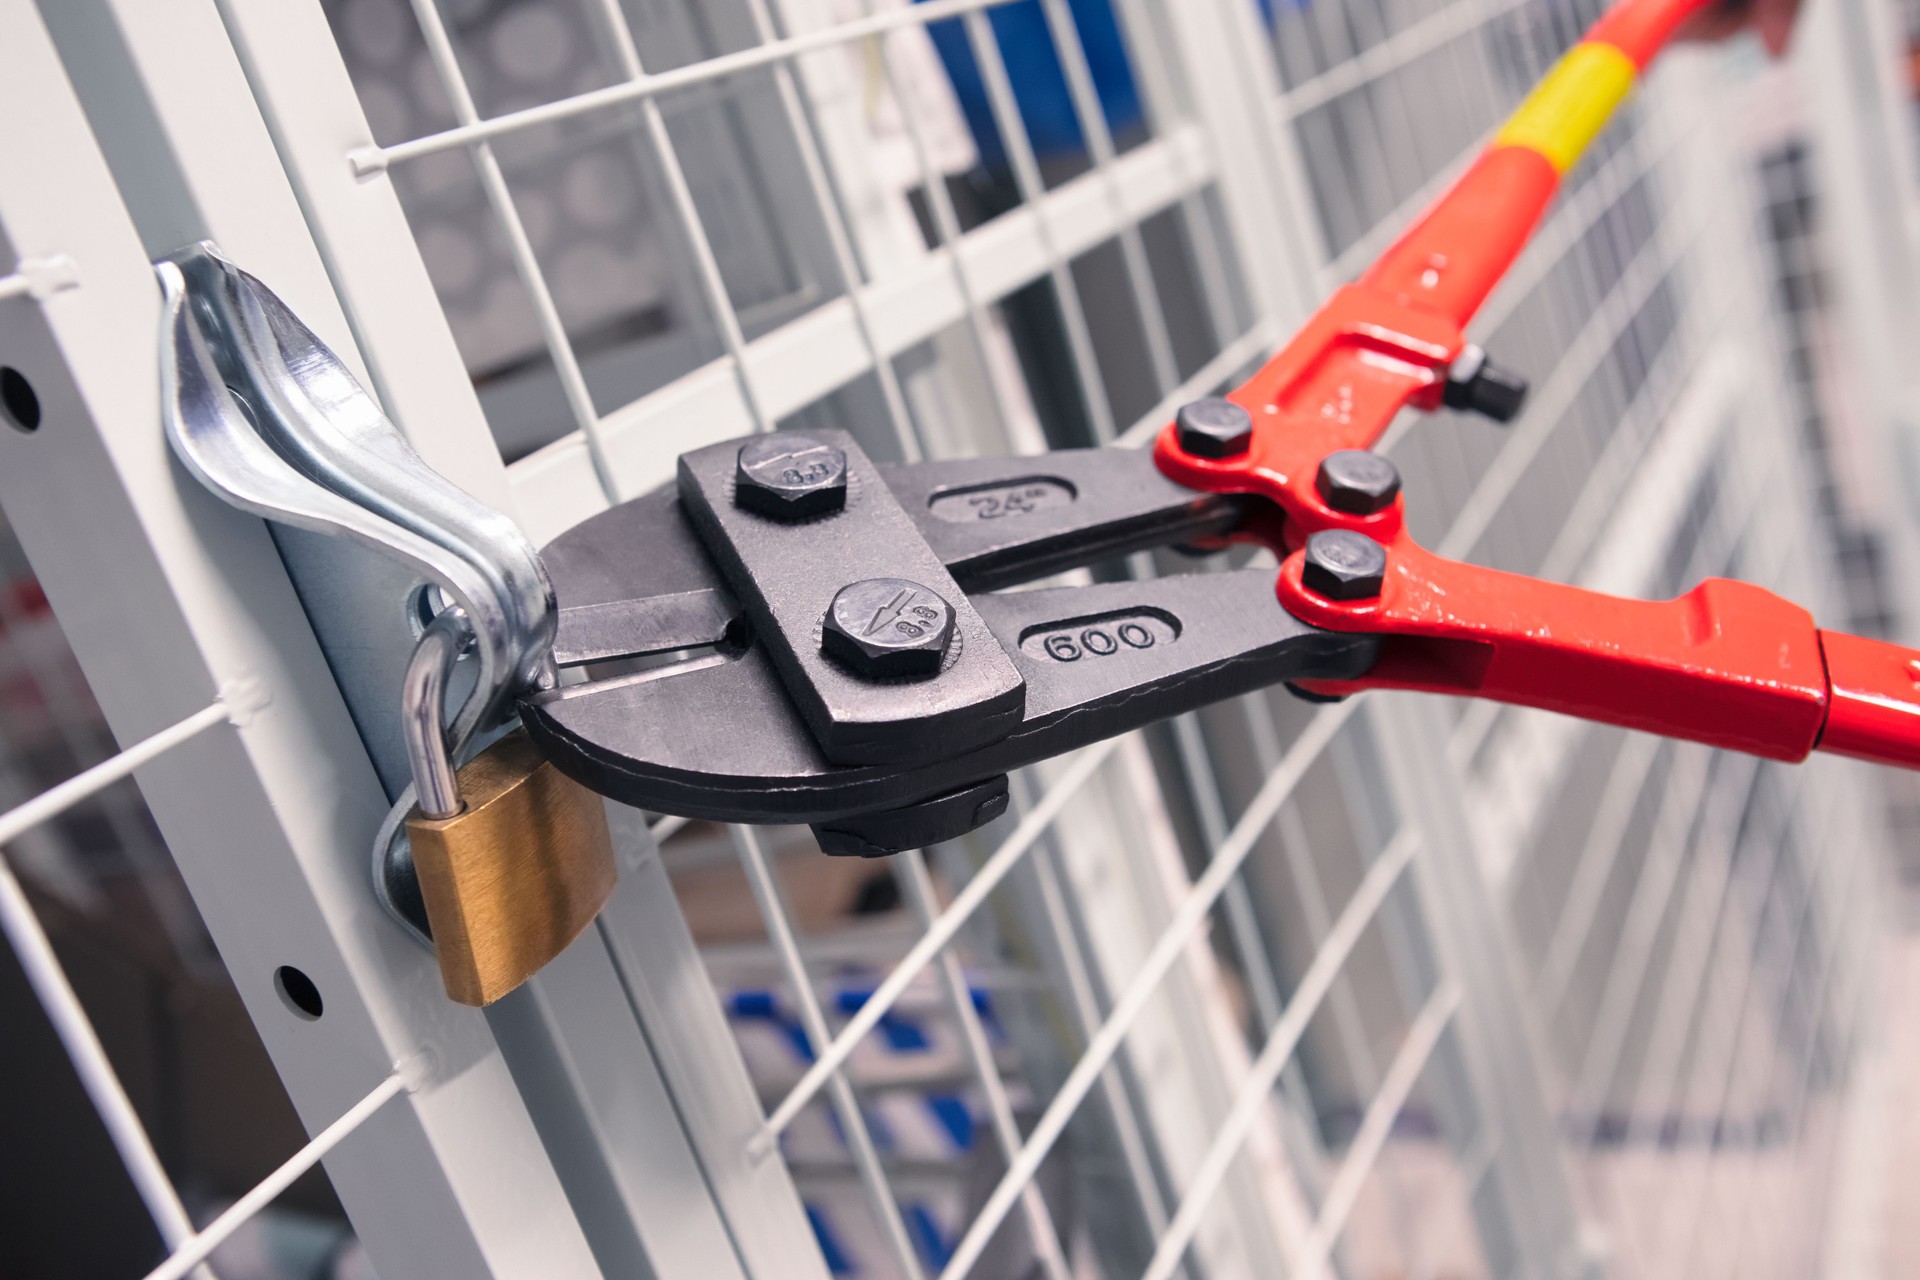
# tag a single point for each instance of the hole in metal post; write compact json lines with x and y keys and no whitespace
{"x":297,"y":989}
{"x":17,"y":396}
{"x":424,"y":603}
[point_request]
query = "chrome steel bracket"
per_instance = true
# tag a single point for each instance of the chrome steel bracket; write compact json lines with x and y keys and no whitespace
{"x":264,"y":415}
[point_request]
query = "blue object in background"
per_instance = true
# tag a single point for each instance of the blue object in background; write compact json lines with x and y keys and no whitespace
{"x":935,"y":1249}
{"x":761,"y":1006}
{"x":839,"y":1262}
{"x":953,"y":1115}
{"x":1039,"y":83}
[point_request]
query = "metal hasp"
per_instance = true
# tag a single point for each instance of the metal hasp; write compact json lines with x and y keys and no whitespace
{"x":265,"y":416}
{"x":507,"y":859}
{"x":720,"y":733}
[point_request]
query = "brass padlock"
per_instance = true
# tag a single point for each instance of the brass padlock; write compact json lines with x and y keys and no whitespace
{"x":516,"y":875}
{"x":514,"y":858}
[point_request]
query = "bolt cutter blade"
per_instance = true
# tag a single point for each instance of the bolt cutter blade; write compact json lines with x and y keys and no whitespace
{"x":719,"y":734}
{"x":995,"y":522}
{"x":720,"y":738}
{"x":634,"y":581}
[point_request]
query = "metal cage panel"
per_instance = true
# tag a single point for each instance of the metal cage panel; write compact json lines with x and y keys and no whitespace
{"x":1389,"y":987}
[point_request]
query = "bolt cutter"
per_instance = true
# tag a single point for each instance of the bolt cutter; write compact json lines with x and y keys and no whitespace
{"x":794,"y":632}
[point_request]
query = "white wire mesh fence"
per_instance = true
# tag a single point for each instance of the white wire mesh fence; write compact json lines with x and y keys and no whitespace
{"x":1209,"y":1002}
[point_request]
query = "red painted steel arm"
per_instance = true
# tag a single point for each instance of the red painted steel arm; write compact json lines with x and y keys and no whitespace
{"x":1387,"y":341}
{"x":1873,"y":700}
{"x":1727,"y":663}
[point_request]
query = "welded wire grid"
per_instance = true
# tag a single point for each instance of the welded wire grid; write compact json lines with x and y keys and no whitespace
{"x":1018,"y":169}
{"x":1200,"y":1007}
{"x":33,"y":832}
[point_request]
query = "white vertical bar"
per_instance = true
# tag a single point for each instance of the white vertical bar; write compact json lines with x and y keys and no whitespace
{"x":833,"y":217}
{"x":1696,"y":938}
{"x":1150,"y":59}
{"x":725,"y":318}
{"x":1744,"y":1009}
{"x":1717,"y":1059}
{"x":1093,"y":128}
{"x":1086,"y":1013}
{"x":1026,"y":173}
{"x":1014,"y":426}
{"x":679,"y":1022}
{"x":1861,"y":867}
{"x":566,"y":364}
{"x":113,"y":533}
{"x":1533,"y":1207}
{"x":1652,"y":893}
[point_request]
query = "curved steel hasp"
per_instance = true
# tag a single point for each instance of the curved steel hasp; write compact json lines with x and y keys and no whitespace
{"x":268,"y":418}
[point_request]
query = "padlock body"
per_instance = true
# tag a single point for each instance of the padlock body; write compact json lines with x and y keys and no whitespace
{"x":516,"y":875}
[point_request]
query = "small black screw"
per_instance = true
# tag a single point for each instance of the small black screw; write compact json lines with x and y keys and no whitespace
{"x":1344,"y":565}
{"x":1357,"y":482}
{"x":1214,"y":428}
{"x":790,"y":477}
{"x":1478,"y":385}
{"x":886,"y":627}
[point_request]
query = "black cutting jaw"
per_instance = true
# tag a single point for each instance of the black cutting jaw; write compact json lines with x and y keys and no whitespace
{"x":799,"y":634}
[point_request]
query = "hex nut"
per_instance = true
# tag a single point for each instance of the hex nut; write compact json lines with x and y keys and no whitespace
{"x":790,"y":477}
{"x":1343,"y":565}
{"x":886,"y":627}
{"x":1357,"y":482}
{"x":1214,"y":428}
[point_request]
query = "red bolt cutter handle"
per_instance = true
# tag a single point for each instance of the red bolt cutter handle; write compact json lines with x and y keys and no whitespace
{"x":1727,"y":663}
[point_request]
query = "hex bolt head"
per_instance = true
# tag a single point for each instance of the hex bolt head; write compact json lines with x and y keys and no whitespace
{"x":1357,"y":482}
{"x":1344,"y":565}
{"x":1478,"y":385}
{"x":885,"y":627}
{"x":790,"y":477}
{"x":1214,"y":428}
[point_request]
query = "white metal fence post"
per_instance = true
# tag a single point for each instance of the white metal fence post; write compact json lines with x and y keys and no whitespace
{"x":165,"y":594}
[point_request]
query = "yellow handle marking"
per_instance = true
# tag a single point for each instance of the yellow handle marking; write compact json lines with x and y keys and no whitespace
{"x":1570,"y":104}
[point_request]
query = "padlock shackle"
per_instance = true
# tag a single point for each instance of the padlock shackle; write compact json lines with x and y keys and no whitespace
{"x":423,"y":693}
